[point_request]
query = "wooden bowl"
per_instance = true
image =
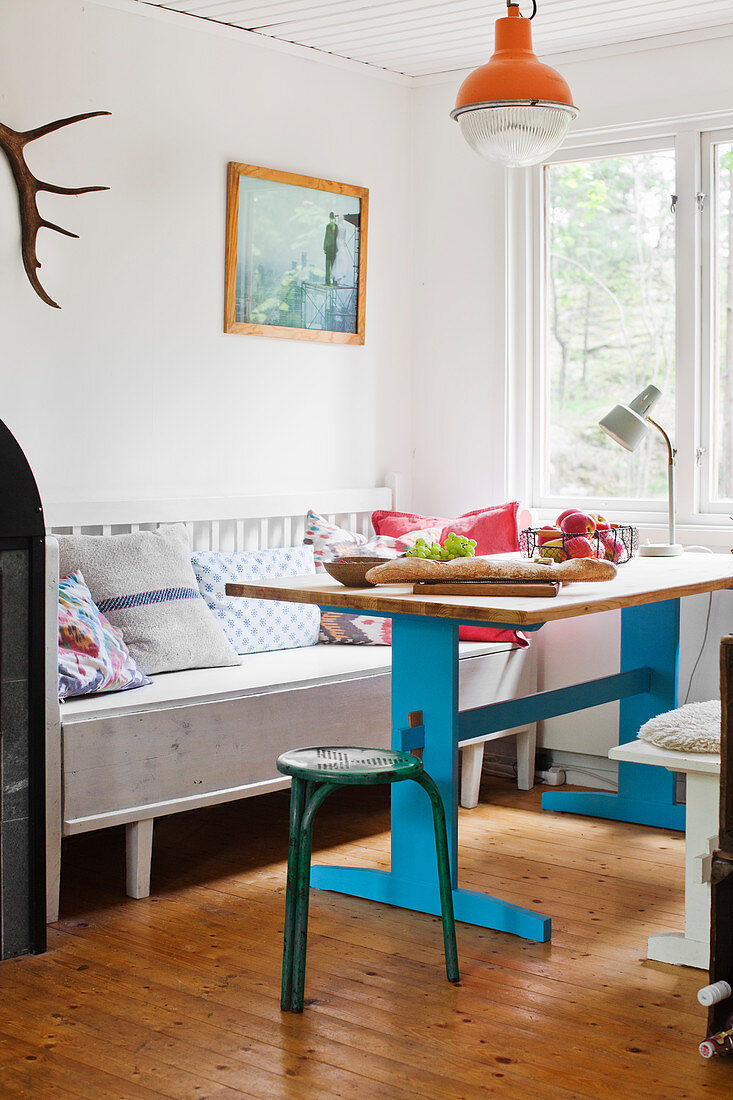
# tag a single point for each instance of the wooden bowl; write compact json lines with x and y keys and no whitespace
{"x":352,"y":571}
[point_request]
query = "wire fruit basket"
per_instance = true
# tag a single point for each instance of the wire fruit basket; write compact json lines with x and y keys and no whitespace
{"x":620,"y":544}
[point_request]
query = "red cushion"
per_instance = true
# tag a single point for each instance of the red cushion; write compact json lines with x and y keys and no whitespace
{"x":492,"y":634}
{"x":494,"y":528}
{"x":495,"y":532}
{"x":399,"y":523}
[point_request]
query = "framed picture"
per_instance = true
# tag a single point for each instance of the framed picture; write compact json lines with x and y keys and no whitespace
{"x":295,"y":256}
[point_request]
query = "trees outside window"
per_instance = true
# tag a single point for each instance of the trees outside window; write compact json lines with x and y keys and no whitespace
{"x":610,"y":295}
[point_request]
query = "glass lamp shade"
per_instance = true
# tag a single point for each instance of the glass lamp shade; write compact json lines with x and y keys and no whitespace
{"x":515,"y":134}
{"x":514,"y":109}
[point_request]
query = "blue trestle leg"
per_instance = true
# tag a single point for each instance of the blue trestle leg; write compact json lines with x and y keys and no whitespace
{"x":646,"y":795}
{"x":425,"y":678}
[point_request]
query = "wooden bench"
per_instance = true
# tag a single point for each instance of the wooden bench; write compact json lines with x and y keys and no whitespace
{"x":204,"y":736}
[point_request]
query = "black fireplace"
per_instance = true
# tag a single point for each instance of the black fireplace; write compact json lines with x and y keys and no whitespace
{"x":22,"y":706}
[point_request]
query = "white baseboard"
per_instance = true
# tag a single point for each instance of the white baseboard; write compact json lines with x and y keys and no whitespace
{"x":582,"y":770}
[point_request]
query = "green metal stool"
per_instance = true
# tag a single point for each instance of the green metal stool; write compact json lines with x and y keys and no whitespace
{"x":316,"y":773}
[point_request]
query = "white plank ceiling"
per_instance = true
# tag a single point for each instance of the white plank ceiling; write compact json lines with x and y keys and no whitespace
{"x":425,"y":37}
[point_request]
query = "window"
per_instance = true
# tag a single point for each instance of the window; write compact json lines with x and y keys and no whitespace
{"x":610,"y":319}
{"x":629,"y":280}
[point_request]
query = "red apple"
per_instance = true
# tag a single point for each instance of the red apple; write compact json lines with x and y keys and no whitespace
{"x":613,"y":546}
{"x":602,"y":524}
{"x":578,"y":523}
{"x":567,"y":512}
{"x":547,"y":534}
{"x":580,"y":547}
{"x":555,"y":550}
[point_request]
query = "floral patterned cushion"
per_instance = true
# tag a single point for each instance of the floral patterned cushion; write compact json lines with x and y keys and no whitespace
{"x":92,"y":653}
{"x":256,"y":626}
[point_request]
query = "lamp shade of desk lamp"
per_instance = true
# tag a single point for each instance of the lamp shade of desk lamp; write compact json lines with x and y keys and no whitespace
{"x":627,"y":425}
{"x":514,"y":109}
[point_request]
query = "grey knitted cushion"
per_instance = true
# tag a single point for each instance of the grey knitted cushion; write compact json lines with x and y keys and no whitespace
{"x":144,"y":583}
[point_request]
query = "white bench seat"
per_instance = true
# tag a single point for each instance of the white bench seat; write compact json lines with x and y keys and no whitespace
{"x":258,"y":673}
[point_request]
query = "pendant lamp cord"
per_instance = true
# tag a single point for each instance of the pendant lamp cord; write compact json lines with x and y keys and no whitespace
{"x":514,"y":4}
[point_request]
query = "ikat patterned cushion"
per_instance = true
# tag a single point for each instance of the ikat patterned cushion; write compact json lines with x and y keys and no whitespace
{"x":348,"y":628}
{"x":256,"y":626}
{"x":329,"y":541}
{"x":92,"y":654}
{"x":144,"y":584}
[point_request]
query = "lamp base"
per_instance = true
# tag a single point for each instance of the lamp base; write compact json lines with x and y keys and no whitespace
{"x":660,"y":550}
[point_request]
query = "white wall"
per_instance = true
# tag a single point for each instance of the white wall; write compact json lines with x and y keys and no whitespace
{"x":132,"y":389}
{"x":460,"y":335}
{"x":458,"y":338}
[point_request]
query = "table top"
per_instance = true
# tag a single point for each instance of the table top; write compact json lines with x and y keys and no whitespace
{"x":640,"y":581}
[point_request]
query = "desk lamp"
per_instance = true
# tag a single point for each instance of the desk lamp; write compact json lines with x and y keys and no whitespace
{"x":627,"y":425}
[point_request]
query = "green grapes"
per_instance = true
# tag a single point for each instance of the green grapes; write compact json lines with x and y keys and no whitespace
{"x":455,"y":546}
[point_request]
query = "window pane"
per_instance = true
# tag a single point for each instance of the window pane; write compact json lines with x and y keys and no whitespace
{"x":610,"y":307}
{"x":723,"y":330}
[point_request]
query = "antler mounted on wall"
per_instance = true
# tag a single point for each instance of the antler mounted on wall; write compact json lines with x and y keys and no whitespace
{"x":13,"y":142}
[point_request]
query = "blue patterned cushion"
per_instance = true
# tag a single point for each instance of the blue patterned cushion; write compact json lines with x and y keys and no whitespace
{"x":254,"y":626}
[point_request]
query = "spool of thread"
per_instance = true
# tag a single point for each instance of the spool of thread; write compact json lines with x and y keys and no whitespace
{"x":712,"y":995}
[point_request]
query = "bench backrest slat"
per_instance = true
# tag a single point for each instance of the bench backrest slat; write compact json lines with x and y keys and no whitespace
{"x":237,"y":523}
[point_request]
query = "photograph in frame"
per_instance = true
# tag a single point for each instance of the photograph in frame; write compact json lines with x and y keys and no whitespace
{"x":295,"y":256}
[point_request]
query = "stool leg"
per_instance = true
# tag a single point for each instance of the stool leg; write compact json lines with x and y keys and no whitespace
{"x":446,"y":893}
{"x":303,"y":888}
{"x":297,"y":800}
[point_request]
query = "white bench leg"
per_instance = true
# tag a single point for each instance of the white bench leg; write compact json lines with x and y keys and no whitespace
{"x":526,"y":750}
{"x":472,"y":757}
{"x":139,"y":852}
{"x":692,"y":948}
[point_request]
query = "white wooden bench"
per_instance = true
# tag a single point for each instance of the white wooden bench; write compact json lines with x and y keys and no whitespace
{"x":702,"y":769}
{"x":204,"y":736}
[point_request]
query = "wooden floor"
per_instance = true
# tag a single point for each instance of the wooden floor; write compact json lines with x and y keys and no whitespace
{"x":177,"y":995}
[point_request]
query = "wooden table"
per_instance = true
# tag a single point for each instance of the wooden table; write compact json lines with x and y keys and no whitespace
{"x":425,"y":711}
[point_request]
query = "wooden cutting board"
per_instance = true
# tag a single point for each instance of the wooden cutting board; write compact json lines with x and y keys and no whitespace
{"x":547,"y":589}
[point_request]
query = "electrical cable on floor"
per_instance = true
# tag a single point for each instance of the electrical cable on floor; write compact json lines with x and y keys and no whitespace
{"x":588,"y":771}
{"x":702,"y":647}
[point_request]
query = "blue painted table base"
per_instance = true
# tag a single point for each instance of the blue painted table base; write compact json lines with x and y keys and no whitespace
{"x":650,"y":637}
{"x":425,"y":678}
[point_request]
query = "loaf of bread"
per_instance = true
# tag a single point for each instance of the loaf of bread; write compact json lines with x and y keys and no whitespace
{"x":404,"y":570}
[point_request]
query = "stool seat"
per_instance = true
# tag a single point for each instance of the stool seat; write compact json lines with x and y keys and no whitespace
{"x":336,"y":764}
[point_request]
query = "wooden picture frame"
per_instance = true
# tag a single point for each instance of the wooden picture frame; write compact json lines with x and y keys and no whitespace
{"x":295,"y":263}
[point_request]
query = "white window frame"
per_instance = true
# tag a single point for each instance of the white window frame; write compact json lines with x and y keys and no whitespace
{"x":709,"y":140}
{"x":526,"y":322}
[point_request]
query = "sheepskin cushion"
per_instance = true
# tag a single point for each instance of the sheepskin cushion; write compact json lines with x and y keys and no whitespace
{"x":692,"y":728}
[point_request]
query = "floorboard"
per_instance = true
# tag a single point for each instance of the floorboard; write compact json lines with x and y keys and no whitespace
{"x":177,"y":995}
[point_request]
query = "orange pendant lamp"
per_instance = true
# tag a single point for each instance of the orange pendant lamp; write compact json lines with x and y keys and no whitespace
{"x":514,"y":109}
